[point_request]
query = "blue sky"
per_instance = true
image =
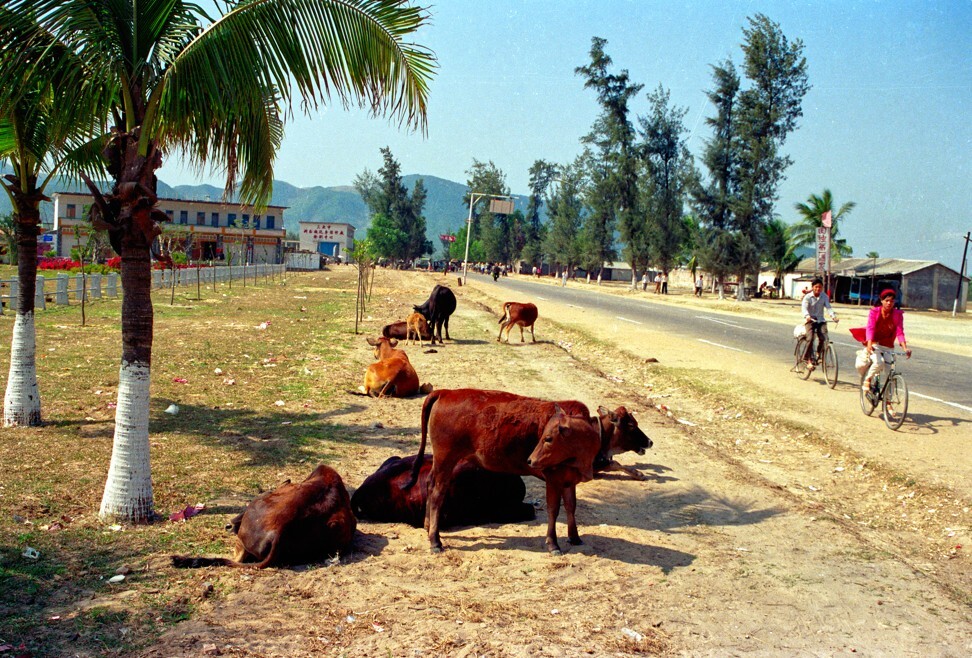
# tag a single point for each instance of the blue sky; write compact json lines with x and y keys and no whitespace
{"x":887,"y":124}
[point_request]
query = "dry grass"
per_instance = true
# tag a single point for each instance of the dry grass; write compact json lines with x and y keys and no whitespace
{"x":229,"y":442}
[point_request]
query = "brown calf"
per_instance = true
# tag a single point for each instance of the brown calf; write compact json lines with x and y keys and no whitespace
{"x":496,"y":431}
{"x":415,"y":325}
{"x":294,"y":524}
{"x":392,"y":374}
{"x":475,"y":497}
{"x":519,"y":315}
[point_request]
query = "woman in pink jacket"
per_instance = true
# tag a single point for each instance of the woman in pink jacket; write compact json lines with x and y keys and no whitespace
{"x":885,"y":323}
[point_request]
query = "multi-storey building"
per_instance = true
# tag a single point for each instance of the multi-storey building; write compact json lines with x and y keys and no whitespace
{"x":207,"y":230}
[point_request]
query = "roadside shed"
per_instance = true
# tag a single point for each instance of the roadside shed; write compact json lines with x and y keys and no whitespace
{"x":921,"y":284}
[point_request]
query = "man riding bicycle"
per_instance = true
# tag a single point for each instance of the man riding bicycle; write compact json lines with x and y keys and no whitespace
{"x":813,"y":306}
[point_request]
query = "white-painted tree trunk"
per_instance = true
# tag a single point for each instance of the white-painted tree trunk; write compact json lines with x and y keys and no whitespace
{"x":21,"y":402}
{"x":128,"y":491}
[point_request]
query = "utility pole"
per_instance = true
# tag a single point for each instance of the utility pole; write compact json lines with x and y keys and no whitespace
{"x":472,"y":201}
{"x":958,"y":289}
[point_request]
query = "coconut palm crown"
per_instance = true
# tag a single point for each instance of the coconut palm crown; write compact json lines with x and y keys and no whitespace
{"x":217,"y":89}
{"x":804,"y":231}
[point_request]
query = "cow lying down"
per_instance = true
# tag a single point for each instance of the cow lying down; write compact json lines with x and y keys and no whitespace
{"x":475,"y":496}
{"x":293,"y":524}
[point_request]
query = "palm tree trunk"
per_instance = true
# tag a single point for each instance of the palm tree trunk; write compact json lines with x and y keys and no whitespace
{"x":21,"y":402}
{"x":128,"y":490}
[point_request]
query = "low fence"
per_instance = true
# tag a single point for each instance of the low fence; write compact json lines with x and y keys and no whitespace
{"x":65,"y":289}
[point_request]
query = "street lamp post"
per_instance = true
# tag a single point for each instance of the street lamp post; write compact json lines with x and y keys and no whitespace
{"x":472,"y":201}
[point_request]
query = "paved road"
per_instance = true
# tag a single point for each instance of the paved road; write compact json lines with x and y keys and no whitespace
{"x":931,"y":375}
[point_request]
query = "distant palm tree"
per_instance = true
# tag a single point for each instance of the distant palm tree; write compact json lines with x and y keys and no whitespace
{"x":804,"y":232}
{"x":216,"y":89}
{"x":44,"y":131}
{"x":779,"y":249}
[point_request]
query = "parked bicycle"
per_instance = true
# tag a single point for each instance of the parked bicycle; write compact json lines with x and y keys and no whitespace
{"x":891,"y":393}
{"x":827,"y":357}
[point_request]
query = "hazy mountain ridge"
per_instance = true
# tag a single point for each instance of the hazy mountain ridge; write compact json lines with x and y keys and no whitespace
{"x":444,"y":210}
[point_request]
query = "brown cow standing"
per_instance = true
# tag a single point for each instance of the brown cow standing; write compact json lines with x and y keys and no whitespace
{"x":392,"y":374}
{"x":294,"y":524}
{"x":475,"y":497}
{"x":519,"y":315}
{"x":496,"y":431}
{"x":398,"y":330}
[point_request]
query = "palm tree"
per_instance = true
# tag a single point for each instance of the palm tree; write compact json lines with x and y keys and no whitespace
{"x":804,"y":231}
{"x":216,"y":89}
{"x":779,"y":249}
{"x":42,"y":132}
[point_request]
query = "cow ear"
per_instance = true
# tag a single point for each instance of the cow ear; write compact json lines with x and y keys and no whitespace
{"x":557,"y":409}
{"x":392,"y":342}
{"x":372,"y":342}
{"x":604,"y":411}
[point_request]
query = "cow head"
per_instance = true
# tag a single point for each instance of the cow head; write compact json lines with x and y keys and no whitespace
{"x":620,"y":433}
{"x":382,"y":345}
{"x":566,"y":441}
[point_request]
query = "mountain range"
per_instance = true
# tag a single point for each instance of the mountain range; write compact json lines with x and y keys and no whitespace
{"x":445,"y":211}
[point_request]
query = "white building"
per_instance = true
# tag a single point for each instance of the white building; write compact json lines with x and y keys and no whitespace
{"x":211,"y":229}
{"x":331,"y":239}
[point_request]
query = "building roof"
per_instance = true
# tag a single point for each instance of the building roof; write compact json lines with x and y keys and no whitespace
{"x":871,"y":266}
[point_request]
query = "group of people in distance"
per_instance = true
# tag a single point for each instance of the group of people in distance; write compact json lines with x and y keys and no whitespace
{"x":885,"y":324}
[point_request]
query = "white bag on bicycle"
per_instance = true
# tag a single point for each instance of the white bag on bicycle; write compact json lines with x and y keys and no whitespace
{"x":799,"y":331}
{"x":862,"y":361}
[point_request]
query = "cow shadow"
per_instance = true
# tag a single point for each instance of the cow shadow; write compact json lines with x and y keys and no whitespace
{"x":650,"y":473}
{"x":466,"y":341}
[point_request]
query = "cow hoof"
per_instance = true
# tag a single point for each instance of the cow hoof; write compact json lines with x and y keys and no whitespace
{"x":436,"y":550}
{"x":556,"y":552}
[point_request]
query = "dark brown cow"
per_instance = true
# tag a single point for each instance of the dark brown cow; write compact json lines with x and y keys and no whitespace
{"x":398,"y":330}
{"x":519,"y":315}
{"x":475,"y":497}
{"x":392,"y":375}
{"x":496,"y":431}
{"x":437,"y":309}
{"x":294,"y":524}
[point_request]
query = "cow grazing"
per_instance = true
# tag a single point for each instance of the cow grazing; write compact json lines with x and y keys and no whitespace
{"x":437,"y":309}
{"x":496,"y":431}
{"x":294,"y":524}
{"x":399,"y":331}
{"x":475,"y":496}
{"x":392,"y":375}
{"x":415,"y":325}
{"x":519,"y":315}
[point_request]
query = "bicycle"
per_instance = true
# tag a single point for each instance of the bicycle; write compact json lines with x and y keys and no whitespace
{"x":892,"y":394}
{"x":829,"y":359}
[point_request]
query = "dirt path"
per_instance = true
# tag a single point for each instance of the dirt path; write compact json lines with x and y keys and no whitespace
{"x":751,"y":535}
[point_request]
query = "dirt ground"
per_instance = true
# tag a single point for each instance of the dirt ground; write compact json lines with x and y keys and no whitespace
{"x":758,"y":529}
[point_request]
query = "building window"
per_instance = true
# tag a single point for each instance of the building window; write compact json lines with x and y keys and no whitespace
{"x":71,"y":210}
{"x":183,"y":216}
{"x":214,"y":219}
{"x":200,"y":218}
{"x":168,"y":214}
{"x":256,"y":222}
{"x":270,"y":221}
{"x":246,"y":220}
{"x":231,"y":219}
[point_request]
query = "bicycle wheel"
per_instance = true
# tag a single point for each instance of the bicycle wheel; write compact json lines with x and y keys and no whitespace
{"x":895,"y":402}
{"x":800,"y":366}
{"x":867,"y":406}
{"x":830,"y":365}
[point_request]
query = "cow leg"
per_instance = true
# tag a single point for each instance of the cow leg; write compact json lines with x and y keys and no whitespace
{"x":522,"y":340}
{"x":499,"y":339}
{"x":570,"y":505}
{"x":533,"y":336}
{"x":439,"y":481}
{"x":553,"y":510}
{"x":446,"y":328}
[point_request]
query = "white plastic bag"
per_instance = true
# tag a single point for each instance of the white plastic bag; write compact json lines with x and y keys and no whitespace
{"x":862,"y":361}
{"x":799,"y":331}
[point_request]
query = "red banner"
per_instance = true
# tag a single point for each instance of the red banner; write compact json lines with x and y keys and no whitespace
{"x":447,"y":238}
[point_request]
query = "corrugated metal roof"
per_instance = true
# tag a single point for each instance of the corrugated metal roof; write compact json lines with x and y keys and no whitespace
{"x":871,"y":266}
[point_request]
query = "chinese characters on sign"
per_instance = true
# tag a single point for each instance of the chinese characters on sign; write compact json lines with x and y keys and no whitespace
{"x":823,"y":249}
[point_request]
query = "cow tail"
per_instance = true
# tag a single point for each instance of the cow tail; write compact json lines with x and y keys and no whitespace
{"x":186,"y":562}
{"x":506,"y":313}
{"x":426,"y":412}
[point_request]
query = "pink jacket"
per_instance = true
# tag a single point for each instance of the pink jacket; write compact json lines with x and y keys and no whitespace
{"x":897,"y":317}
